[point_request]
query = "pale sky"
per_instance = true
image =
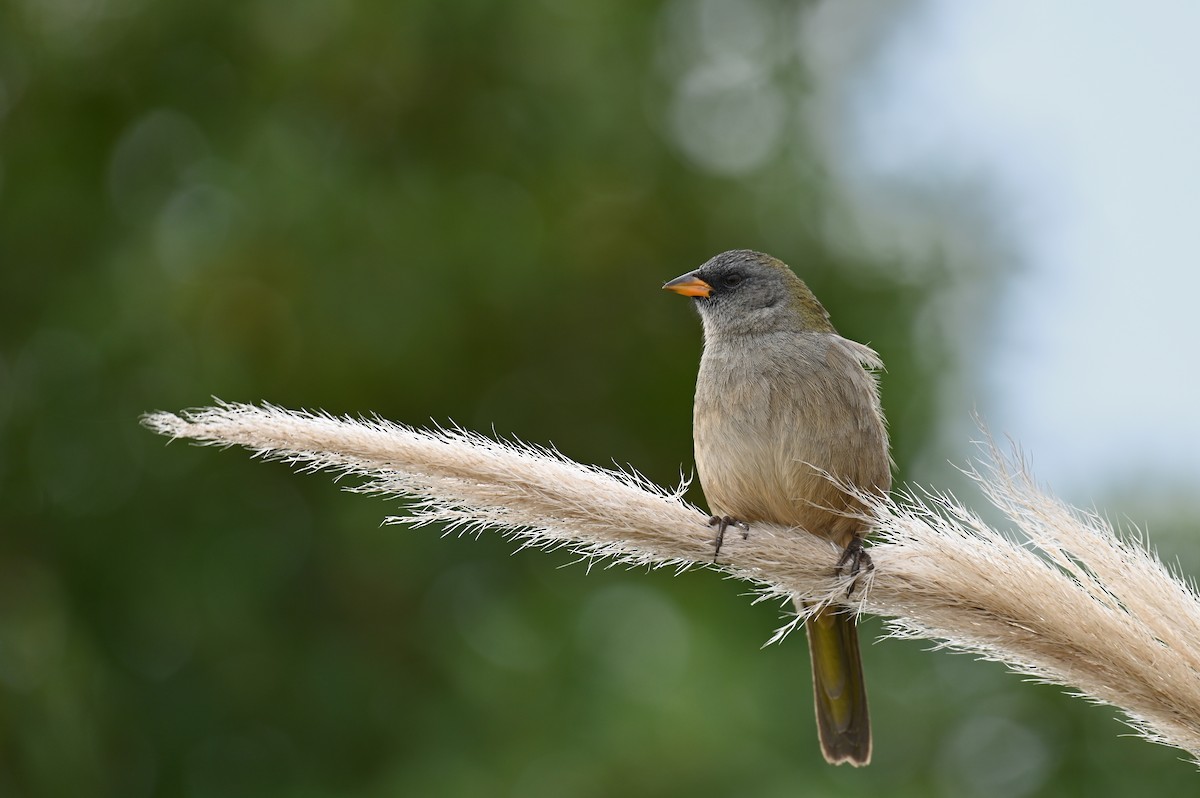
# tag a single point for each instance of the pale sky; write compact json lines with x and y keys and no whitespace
{"x":1088,"y":116}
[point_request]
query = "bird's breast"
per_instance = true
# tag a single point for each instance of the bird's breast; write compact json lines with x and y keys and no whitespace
{"x":739,"y":432}
{"x":769,"y":420}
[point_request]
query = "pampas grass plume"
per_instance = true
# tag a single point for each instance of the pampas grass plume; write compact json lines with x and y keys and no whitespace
{"x":1067,"y":602}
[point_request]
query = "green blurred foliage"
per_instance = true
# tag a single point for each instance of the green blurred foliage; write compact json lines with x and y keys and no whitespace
{"x":426,"y":210}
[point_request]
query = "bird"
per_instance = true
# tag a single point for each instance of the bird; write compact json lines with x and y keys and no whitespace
{"x":785,"y":409}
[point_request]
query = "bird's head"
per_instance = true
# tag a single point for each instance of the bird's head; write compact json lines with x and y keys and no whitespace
{"x":746,"y":292}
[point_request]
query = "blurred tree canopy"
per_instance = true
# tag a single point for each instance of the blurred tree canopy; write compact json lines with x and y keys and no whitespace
{"x":451,"y":210}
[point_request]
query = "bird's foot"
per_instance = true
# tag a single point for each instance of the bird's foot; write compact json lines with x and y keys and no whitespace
{"x":723,"y":522}
{"x":857,"y":560}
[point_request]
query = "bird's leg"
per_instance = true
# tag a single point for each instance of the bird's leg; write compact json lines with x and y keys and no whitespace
{"x":723,"y":522}
{"x":857,"y":558}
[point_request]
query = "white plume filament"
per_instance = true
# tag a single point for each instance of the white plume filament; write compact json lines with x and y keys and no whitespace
{"x":1070,"y":603}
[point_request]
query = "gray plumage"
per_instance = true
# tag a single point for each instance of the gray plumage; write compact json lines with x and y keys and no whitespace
{"x":783,"y":403}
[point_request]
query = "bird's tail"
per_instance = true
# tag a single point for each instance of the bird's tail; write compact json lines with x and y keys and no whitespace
{"x":838,"y":689}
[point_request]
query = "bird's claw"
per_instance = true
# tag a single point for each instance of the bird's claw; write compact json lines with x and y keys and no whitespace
{"x":856,"y":557}
{"x":723,"y":522}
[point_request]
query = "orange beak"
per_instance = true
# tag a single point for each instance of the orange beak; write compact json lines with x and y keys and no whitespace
{"x":689,"y":285}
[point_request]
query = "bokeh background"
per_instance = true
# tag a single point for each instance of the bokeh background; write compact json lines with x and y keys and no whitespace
{"x":464,"y":211}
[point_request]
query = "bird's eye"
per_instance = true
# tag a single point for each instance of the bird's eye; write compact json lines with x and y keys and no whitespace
{"x":730,"y":280}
